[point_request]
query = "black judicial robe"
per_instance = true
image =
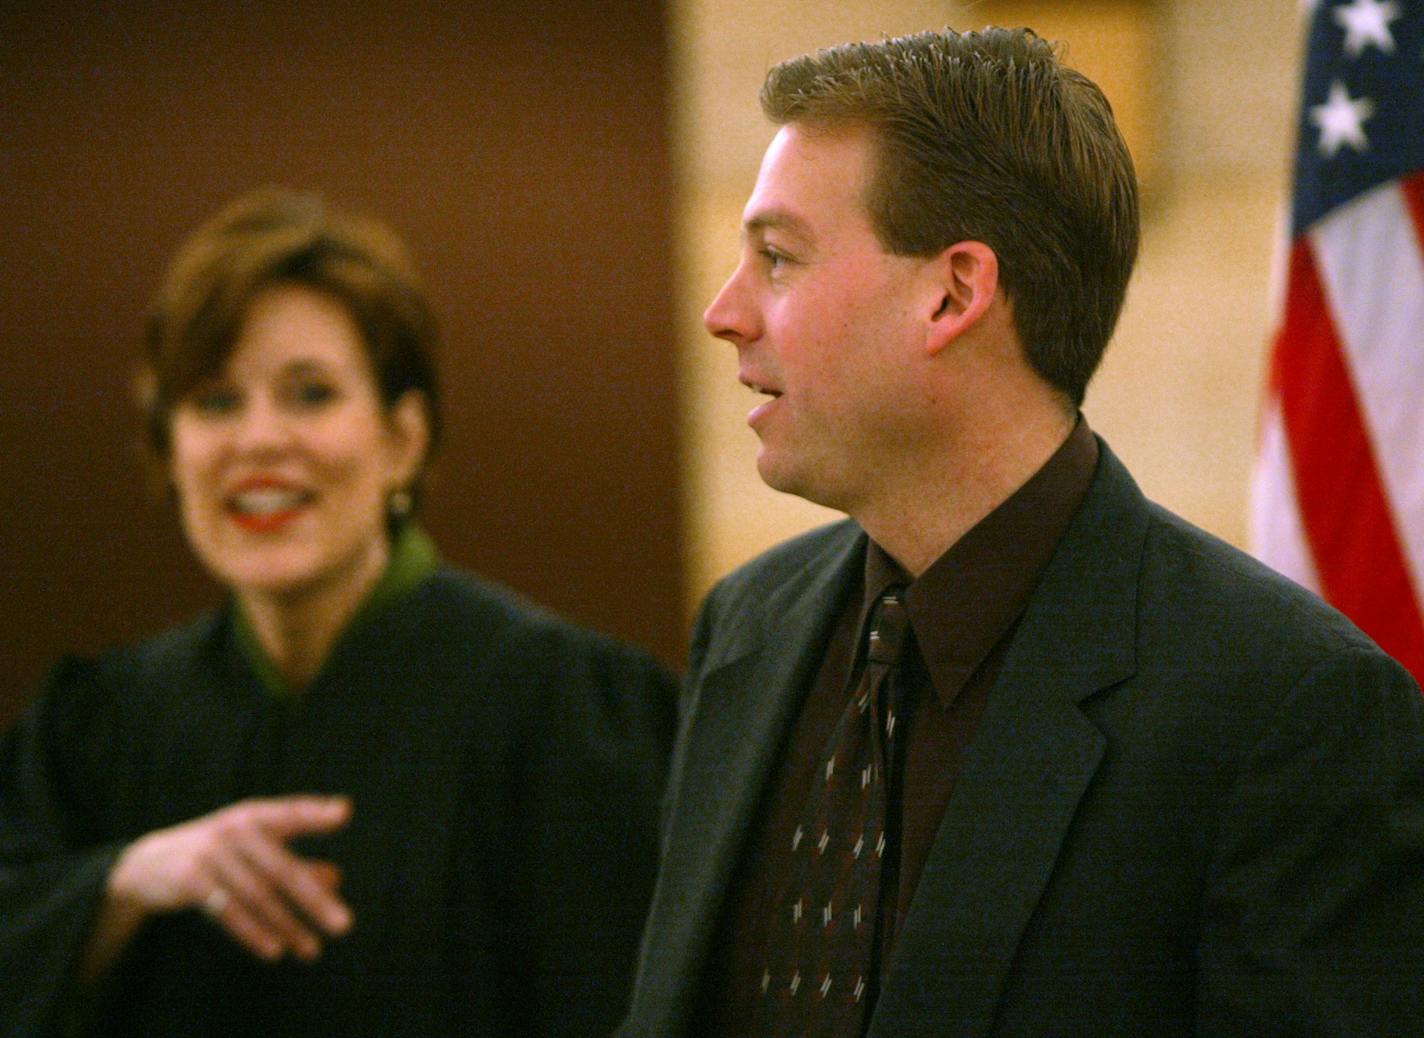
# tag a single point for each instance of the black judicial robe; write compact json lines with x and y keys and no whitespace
{"x":505,"y":770}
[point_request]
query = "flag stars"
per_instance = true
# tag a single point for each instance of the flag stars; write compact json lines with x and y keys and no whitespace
{"x":1366,"y":23}
{"x":1341,"y":120}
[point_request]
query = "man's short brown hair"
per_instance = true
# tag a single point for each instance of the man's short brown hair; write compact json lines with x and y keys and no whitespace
{"x":986,"y":136}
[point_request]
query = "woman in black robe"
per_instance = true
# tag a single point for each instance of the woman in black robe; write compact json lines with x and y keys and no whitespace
{"x":369,"y":795}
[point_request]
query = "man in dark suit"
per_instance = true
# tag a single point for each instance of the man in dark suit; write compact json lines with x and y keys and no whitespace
{"x":1011,"y":751}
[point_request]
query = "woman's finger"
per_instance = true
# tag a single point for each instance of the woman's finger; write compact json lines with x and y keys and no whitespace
{"x":241,"y":872}
{"x":299,"y":883}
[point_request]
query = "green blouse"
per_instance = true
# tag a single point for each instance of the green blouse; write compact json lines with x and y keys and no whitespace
{"x":413,"y":558}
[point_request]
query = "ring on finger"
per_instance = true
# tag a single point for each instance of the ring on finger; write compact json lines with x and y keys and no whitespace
{"x":216,"y":902}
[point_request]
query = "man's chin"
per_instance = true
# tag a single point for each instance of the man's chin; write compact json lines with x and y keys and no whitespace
{"x":780,"y":473}
{"x":776,"y":473}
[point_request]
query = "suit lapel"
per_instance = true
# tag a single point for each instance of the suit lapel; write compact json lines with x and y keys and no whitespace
{"x":1033,"y":757}
{"x":747,"y":698}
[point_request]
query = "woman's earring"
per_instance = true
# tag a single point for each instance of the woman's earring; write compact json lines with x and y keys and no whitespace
{"x":398,"y":505}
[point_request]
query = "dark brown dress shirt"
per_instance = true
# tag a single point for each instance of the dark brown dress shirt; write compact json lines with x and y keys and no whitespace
{"x":963,"y":611}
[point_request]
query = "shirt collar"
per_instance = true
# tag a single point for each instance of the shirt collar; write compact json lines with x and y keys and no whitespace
{"x":966,"y":601}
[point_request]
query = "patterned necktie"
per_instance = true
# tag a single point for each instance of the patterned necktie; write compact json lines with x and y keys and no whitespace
{"x":820,"y":977}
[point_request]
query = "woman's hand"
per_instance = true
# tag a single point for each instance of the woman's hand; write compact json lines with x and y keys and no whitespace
{"x":234,"y":864}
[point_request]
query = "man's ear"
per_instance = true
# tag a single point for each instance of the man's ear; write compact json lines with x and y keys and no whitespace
{"x":967,"y":281}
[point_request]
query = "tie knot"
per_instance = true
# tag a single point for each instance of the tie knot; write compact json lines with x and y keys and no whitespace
{"x":888,"y":621}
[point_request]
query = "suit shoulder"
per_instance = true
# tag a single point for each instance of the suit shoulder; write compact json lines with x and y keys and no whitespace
{"x":807,"y":569}
{"x":1219,"y":597}
{"x":793,"y":557}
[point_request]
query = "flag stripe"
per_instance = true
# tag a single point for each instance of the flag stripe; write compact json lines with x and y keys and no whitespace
{"x":1357,"y":553}
{"x":1342,"y":446}
{"x":1413,"y":189}
{"x":1275,"y":516}
{"x":1368,"y":257}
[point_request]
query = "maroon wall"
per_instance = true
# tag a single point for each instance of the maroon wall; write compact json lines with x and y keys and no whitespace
{"x":520,"y":148}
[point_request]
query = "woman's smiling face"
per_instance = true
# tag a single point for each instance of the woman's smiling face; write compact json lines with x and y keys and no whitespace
{"x":285,"y":460}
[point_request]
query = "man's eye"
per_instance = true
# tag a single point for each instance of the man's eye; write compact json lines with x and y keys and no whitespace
{"x":774,"y":259}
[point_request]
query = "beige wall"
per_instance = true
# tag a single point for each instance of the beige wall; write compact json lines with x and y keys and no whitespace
{"x":1178,"y":392}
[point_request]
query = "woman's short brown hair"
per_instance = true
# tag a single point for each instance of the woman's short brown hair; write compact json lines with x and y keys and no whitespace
{"x":274,"y":236}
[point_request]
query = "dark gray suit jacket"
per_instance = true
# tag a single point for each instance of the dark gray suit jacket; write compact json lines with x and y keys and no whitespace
{"x":1195,"y":804}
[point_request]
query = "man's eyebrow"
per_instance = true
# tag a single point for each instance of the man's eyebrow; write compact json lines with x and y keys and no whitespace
{"x":776,"y":219}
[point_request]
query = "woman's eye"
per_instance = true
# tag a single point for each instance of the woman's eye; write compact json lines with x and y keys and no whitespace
{"x":215,"y":400}
{"x":313,"y":393}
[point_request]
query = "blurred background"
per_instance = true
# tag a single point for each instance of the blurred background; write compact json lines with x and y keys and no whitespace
{"x":570,"y":175}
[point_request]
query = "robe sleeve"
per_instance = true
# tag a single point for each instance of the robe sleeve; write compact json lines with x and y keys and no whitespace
{"x":582,"y":847}
{"x":53,"y":864}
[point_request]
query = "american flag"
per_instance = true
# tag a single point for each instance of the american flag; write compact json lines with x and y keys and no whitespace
{"x":1338,"y":494}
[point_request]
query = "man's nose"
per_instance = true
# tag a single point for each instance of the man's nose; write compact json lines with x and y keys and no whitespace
{"x":730,"y":315}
